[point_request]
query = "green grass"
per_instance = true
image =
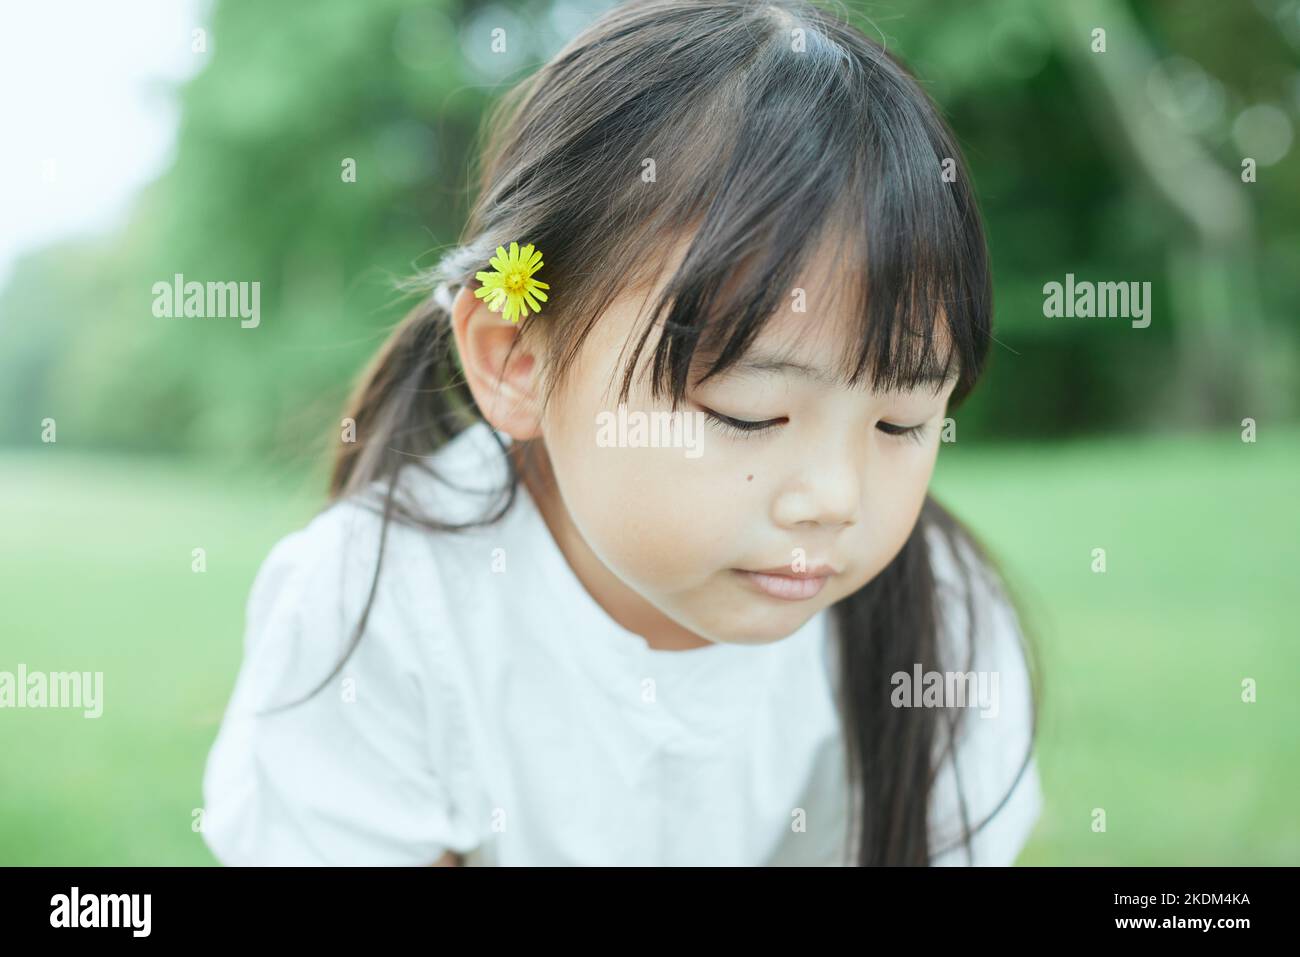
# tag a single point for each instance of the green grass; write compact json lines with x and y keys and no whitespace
{"x":1142,"y":665}
{"x":96,"y":573}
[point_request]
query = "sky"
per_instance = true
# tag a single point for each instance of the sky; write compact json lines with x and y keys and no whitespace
{"x":87,"y":112}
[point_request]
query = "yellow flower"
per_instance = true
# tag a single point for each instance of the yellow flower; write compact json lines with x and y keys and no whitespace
{"x":511,"y":283}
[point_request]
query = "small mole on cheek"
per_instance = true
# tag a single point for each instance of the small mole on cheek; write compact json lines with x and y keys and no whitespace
{"x":749,"y":478}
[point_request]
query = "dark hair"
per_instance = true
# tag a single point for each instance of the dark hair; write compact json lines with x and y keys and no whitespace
{"x":776,"y":130}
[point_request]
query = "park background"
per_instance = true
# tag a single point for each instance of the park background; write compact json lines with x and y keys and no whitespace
{"x":174,"y":434}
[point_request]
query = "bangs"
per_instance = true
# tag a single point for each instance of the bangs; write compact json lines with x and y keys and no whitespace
{"x":854,"y":198}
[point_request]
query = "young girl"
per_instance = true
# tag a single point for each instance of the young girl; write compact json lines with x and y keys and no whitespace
{"x":549,"y":619}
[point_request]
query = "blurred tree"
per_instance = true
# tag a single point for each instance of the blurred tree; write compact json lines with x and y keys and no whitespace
{"x":1214,"y":302}
{"x":1078,"y":163}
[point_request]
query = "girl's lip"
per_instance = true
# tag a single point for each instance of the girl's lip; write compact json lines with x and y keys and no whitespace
{"x":787,"y":571}
{"x":786,"y":586}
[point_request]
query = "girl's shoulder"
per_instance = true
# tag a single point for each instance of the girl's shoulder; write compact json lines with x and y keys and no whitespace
{"x":332,"y":560}
{"x":405,"y":588}
{"x":329,"y":751}
{"x":308,"y":597}
{"x":340,"y":742}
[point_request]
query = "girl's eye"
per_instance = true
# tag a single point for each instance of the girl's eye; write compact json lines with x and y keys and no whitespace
{"x":743,"y":428}
{"x":914,"y":432}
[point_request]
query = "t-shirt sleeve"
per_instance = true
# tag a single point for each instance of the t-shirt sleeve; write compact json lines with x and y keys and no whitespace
{"x":347,"y":777}
{"x":995,"y":735}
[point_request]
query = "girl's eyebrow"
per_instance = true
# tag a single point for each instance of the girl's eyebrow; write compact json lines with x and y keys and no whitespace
{"x":929,"y":374}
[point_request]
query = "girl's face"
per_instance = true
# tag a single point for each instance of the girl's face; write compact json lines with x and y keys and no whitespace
{"x":668,"y":539}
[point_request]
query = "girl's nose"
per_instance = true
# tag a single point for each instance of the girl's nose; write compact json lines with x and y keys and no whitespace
{"x":826,"y":492}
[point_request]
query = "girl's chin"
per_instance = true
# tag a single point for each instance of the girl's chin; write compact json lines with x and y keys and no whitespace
{"x":766,"y":622}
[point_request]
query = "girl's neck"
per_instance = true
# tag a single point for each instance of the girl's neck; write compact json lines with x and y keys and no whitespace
{"x":620,"y":602}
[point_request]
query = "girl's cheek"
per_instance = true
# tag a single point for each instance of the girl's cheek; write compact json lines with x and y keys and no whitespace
{"x":893,"y":498}
{"x":655,"y":517}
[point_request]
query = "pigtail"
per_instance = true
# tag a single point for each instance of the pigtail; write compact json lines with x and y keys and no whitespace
{"x":411,"y":399}
{"x":408,"y":402}
{"x":401,"y":399}
{"x":891,"y":625}
{"x":885,"y":627}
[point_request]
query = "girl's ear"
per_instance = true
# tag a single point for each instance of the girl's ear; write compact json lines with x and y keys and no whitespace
{"x":507,"y":391}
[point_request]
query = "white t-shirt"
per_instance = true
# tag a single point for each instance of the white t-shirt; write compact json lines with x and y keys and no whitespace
{"x":493,"y":708}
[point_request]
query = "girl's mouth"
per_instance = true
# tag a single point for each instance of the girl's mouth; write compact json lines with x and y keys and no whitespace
{"x":786,"y":586}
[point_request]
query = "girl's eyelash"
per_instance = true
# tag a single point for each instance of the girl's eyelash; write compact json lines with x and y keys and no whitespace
{"x":914,"y":432}
{"x":741,"y":428}
{"x":744,"y":428}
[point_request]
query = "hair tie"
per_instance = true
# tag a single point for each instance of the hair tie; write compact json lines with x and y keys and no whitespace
{"x":510,"y":287}
{"x":442,"y":296}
